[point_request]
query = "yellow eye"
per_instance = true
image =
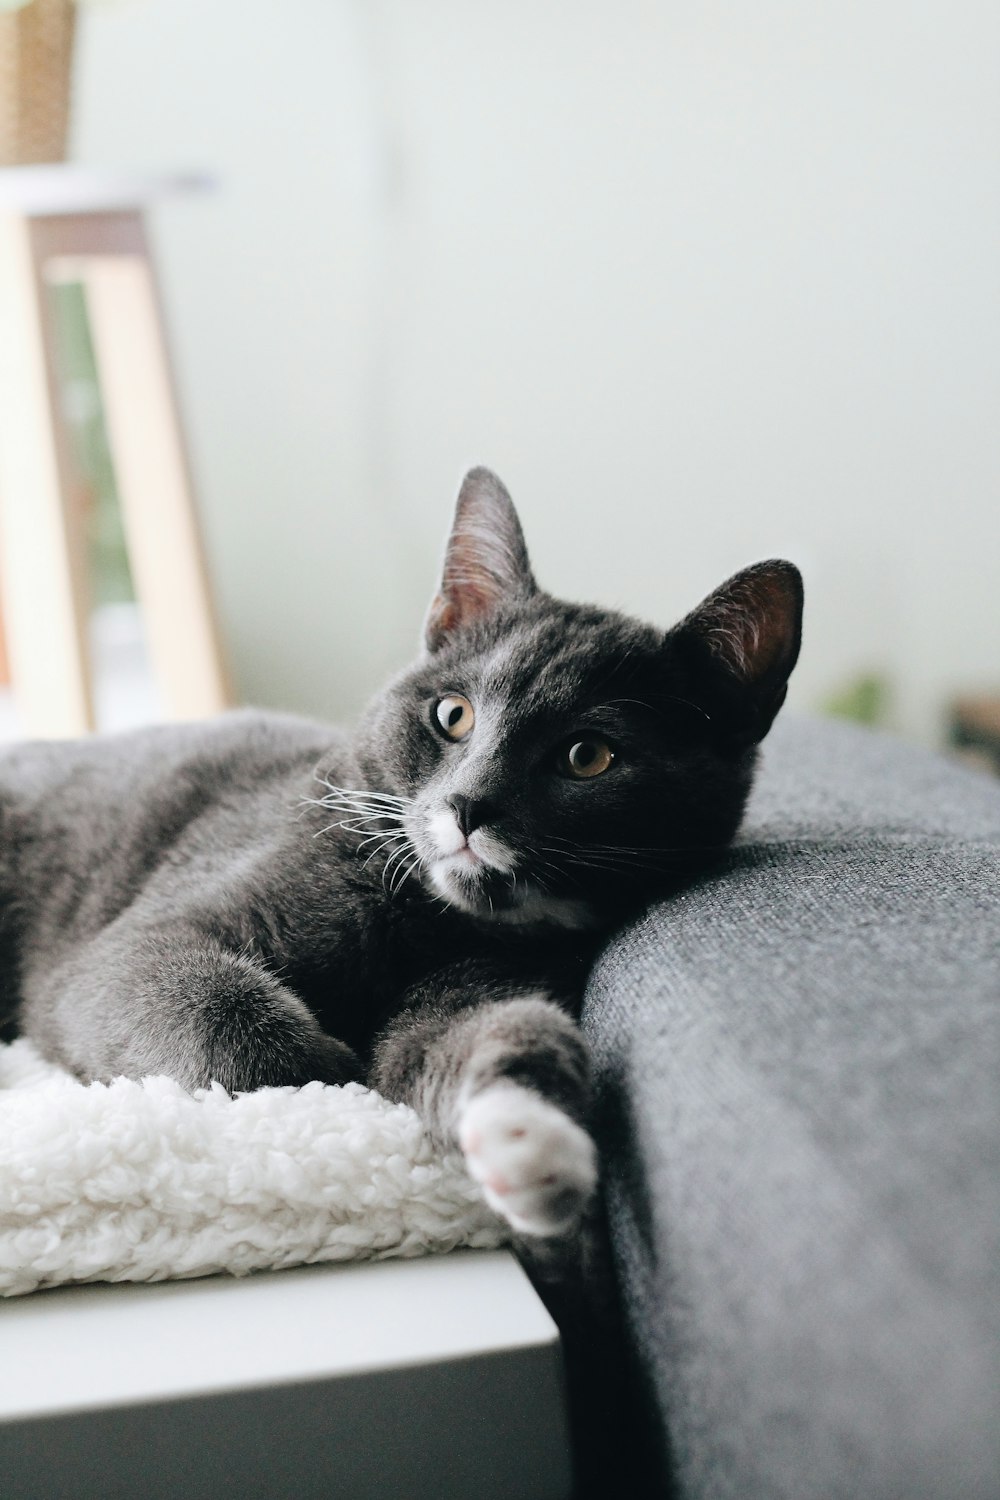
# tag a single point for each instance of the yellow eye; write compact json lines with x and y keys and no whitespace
{"x":455,"y":716}
{"x":588,"y":758}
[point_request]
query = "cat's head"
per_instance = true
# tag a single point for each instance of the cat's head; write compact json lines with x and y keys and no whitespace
{"x":557,"y":762}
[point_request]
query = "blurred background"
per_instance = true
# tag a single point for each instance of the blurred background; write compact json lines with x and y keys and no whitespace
{"x":703,"y":282}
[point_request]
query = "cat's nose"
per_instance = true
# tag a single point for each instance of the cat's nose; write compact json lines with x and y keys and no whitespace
{"x":471,"y":812}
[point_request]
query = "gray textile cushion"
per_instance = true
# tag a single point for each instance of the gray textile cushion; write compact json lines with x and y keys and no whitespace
{"x":800,"y":1066}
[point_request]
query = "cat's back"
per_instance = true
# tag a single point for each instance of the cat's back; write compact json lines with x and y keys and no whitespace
{"x":106,"y":808}
{"x":243,"y":748}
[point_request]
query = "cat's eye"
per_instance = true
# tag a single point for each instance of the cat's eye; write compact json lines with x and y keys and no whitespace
{"x":586,"y":758}
{"x":454,"y":716}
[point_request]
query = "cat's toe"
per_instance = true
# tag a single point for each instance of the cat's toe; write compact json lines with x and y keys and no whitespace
{"x":536,"y":1166}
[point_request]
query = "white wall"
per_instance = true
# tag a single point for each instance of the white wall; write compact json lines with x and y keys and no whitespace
{"x":704,"y":282}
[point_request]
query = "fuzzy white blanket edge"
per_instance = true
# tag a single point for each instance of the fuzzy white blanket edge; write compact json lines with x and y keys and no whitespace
{"x":142,"y":1181}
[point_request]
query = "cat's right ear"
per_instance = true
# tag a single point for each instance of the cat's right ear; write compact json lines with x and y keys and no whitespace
{"x":738,"y":648}
{"x":485,"y":564}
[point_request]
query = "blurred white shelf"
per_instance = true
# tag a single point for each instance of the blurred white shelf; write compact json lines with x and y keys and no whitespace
{"x":65,"y":188}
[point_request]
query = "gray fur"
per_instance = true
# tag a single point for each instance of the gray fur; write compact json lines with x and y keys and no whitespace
{"x":262,"y":900}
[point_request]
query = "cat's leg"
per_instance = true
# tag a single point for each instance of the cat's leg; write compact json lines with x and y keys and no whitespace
{"x":508,"y":1081}
{"x":135,"y":1001}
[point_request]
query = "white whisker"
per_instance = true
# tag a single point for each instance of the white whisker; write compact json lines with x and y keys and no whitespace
{"x":407,"y":870}
{"x":353,"y":825}
{"x":379,"y":847}
{"x":364,"y":794}
{"x":395,"y":857}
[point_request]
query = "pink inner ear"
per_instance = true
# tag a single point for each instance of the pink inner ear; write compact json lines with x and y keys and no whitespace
{"x":751,"y":623}
{"x":486,"y":562}
{"x":447,"y":614}
{"x":462,"y":603}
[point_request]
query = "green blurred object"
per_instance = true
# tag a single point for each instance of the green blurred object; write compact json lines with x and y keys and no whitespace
{"x":866,"y":699}
{"x":110,"y":578}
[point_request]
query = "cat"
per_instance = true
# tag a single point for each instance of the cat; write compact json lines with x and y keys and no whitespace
{"x":261,"y":900}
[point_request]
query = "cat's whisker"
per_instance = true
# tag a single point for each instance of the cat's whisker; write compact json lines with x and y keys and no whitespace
{"x":385,"y":838}
{"x":391,"y":832}
{"x":568,"y":846}
{"x":608,"y":865}
{"x":364,"y":820}
{"x":642,"y":848}
{"x":364,"y":794}
{"x":341,"y":804}
{"x":378,"y":849}
{"x":553,"y":864}
{"x":395,"y":858}
{"x":362,"y":813}
{"x":610,"y":859}
{"x":408,"y":870}
{"x":619,"y":854}
{"x":536,"y":857}
{"x":559,"y":875}
{"x":404,"y":869}
{"x":356,"y":825}
{"x":388,"y":809}
{"x":350,"y":805}
{"x":360,"y":801}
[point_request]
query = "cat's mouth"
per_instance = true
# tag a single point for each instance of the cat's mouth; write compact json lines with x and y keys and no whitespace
{"x":471,"y":884}
{"x":474,"y":871}
{"x":469,"y":881}
{"x":476,"y":874}
{"x":481,"y":875}
{"x":466,"y":859}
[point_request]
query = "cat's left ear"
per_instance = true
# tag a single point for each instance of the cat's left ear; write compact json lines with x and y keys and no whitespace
{"x":739,"y":647}
{"x":486,"y":562}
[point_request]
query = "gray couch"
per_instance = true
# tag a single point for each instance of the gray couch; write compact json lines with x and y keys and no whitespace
{"x":799,"y":1065}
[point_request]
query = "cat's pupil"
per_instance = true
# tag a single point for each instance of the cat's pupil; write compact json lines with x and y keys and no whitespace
{"x":454,"y":716}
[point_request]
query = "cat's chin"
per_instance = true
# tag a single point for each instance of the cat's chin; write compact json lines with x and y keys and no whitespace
{"x":477,"y":890}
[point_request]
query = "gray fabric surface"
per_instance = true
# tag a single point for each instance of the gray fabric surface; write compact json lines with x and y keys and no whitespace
{"x":800,"y":1074}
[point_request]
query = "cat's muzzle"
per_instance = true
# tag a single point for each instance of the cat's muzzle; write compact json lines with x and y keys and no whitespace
{"x":467,"y":880}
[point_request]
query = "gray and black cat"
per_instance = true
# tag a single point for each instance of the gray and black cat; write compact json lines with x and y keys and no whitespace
{"x":261,"y":900}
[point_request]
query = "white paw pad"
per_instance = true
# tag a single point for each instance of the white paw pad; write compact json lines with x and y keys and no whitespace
{"x":535,"y":1165}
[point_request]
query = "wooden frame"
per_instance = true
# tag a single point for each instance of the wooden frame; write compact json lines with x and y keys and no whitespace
{"x":43,"y":582}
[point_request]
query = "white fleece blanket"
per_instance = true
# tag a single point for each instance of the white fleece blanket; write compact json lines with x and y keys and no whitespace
{"x":142,"y":1181}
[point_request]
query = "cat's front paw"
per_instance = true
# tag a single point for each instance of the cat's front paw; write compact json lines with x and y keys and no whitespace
{"x":535,"y":1165}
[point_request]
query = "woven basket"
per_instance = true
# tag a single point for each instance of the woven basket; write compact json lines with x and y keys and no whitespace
{"x":36,"y":53}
